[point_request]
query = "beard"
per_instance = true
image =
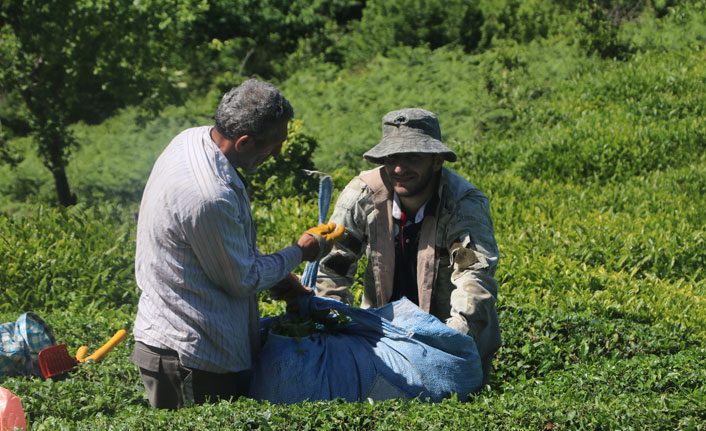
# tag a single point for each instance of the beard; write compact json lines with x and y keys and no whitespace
{"x":417,"y":184}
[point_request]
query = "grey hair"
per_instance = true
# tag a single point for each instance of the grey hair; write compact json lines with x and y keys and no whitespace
{"x":252,"y":108}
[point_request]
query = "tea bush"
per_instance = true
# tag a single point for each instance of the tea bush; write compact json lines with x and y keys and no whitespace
{"x":542,"y":109}
{"x":286,"y":175}
{"x":81,"y":259}
{"x":619,"y":127}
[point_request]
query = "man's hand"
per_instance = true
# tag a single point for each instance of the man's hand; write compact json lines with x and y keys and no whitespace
{"x":289,"y":288}
{"x":318,"y":241}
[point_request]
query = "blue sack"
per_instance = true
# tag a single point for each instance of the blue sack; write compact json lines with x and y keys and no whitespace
{"x":396,"y":351}
{"x":20,"y":344}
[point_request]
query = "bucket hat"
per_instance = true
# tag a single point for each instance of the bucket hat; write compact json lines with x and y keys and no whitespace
{"x":409,"y":130}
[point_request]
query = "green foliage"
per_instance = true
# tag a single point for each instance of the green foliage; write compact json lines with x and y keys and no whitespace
{"x":93,"y":390}
{"x":351,"y":124}
{"x":115,"y":163}
{"x":285,"y":175}
{"x":520,"y":21}
{"x":7,"y":156}
{"x":623,"y":120}
{"x":80,"y":259}
{"x":599,"y":21}
{"x":594,"y":168}
{"x":93,"y":67}
{"x":315,"y":322}
{"x":386,"y":25}
{"x":664,"y":393}
{"x":101,"y":176}
{"x":279,"y":224}
{"x":246,"y":37}
{"x":81,"y":60}
{"x":540,"y":110}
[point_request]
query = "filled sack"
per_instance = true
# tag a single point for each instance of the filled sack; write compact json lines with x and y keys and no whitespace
{"x":396,"y":351}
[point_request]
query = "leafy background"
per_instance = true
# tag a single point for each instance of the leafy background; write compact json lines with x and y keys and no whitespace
{"x":582,"y":122}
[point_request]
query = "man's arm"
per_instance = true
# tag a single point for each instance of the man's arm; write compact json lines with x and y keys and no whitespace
{"x":220,"y":233}
{"x":337,"y":270}
{"x":474,"y":257}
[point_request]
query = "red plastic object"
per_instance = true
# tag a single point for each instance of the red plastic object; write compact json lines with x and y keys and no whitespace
{"x":56,"y":360}
{"x":12,"y":415}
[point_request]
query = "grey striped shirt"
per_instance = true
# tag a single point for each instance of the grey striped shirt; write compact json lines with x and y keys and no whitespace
{"x":197,"y":262}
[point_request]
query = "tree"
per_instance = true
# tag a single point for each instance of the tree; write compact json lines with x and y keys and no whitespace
{"x":64,"y":61}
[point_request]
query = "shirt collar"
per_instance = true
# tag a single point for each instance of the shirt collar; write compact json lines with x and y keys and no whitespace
{"x":431,"y":203}
{"x":230,"y":174}
{"x":397,"y":210}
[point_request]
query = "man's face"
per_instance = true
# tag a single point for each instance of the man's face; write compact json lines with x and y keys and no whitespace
{"x":264,"y":148}
{"x":412,"y":174}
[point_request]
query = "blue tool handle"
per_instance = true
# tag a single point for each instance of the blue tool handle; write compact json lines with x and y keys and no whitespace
{"x":325,"y":189}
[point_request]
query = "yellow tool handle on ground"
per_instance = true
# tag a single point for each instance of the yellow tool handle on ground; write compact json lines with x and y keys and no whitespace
{"x":81,"y":353}
{"x":107,"y":347}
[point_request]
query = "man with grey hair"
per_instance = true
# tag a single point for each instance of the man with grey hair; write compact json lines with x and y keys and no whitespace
{"x":197,"y":262}
{"x":426,"y":232}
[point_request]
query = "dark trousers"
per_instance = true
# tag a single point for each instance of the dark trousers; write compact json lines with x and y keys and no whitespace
{"x":170,"y":385}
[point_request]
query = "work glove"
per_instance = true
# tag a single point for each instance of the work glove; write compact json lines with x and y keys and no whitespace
{"x":326,"y":236}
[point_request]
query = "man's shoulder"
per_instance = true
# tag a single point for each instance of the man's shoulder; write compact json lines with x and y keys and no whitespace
{"x":193,"y":132}
{"x":460,"y":188}
{"x":176,"y":153}
{"x":361,"y":183}
{"x":188,"y":173}
{"x":356,"y":192}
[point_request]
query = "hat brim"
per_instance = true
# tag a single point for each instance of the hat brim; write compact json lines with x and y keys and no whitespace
{"x":405,"y":144}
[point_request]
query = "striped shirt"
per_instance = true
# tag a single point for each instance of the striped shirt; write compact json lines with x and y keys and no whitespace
{"x":197,"y":262}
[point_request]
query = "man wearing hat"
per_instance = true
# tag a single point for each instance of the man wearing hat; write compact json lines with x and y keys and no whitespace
{"x":426,"y":232}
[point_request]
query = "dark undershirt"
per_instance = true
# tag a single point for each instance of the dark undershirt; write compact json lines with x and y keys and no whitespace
{"x":405,"y":283}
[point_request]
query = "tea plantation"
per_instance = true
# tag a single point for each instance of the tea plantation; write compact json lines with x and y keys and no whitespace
{"x":595,"y":166}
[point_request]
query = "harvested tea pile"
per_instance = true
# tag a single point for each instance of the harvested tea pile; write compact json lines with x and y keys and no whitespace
{"x":314,"y":322}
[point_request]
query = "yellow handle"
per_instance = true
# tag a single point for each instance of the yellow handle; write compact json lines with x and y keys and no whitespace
{"x":107,"y":347}
{"x":81,"y":353}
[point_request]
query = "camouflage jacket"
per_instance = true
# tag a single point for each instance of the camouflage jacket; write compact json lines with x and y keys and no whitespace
{"x":456,"y":259}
